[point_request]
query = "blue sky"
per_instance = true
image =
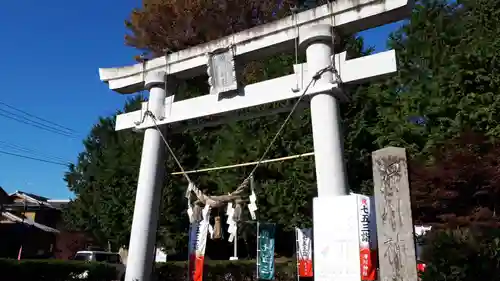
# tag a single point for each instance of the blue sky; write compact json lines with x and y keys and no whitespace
{"x":51,"y":51}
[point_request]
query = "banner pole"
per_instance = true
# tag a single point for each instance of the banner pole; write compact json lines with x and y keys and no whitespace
{"x":258,"y":250}
{"x":297,"y":251}
{"x":235,"y":250}
{"x":189,"y":253}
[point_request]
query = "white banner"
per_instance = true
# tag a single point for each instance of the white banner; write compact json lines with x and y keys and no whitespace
{"x":304,"y":252}
{"x":345,"y":240}
{"x":336,"y":243}
{"x":367,"y":237}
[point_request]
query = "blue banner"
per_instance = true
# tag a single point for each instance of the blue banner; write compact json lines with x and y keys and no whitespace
{"x":265,"y":250}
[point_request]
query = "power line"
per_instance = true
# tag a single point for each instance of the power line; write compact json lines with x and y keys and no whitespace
{"x":34,"y":158}
{"x":33,"y":123}
{"x":31,"y":151}
{"x":37,"y":117}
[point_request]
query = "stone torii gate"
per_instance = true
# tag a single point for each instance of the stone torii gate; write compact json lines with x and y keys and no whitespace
{"x":315,"y":31}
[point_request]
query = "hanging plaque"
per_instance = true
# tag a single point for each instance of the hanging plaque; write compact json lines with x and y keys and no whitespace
{"x":221,"y":72}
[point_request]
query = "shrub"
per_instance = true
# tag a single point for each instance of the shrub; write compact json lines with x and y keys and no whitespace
{"x":242,"y":270}
{"x":53,"y":270}
{"x":59,"y":270}
{"x":464,"y":254}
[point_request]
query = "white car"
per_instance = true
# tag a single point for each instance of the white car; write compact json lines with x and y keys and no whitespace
{"x":101,"y":256}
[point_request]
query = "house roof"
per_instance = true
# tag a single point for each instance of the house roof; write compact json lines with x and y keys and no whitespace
{"x":3,"y":193}
{"x":34,"y":200}
{"x":10,"y":216}
{"x":29,"y":196}
{"x":34,"y":196}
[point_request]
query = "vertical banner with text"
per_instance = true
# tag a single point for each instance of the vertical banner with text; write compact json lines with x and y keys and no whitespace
{"x":198,"y":232}
{"x":304,"y":252}
{"x":367,"y":237}
{"x":265,"y":250}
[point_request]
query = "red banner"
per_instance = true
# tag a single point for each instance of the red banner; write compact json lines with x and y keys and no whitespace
{"x":196,"y":267}
{"x":367,"y":238}
{"x":197,"y":243}
{"x":304,"y":252}
{"x":368,"y":259}
{"x":305,"y":268}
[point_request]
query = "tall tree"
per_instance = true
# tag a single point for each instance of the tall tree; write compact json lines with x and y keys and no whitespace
{"x":447,"y":81}
{"x":161,"y":25}
{"x":461,"y":187}
{"x":447,"y":78}
{"x":104,"y":179}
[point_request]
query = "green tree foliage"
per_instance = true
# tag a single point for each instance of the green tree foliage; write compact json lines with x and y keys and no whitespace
{"x":447,"y":86}
{"x":448,"y":76}
{"x":104,"y":179}
{"x":462,"y":254}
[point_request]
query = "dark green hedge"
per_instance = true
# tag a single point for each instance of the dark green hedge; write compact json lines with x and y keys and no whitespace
{"x":462,"y":255}
{"x":450,"y":255}
{"x":53,"y":270}
{"x":56,"y":270}
{"x":243,"y":270}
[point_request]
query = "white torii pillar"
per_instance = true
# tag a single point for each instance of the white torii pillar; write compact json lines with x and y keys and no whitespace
{"x":325,"y":115}
{"x":149,"y":185}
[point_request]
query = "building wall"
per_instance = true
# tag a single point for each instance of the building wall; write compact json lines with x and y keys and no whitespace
{"x":4,"y":197}
{"x":48,"y":217}
{"x":10,"y":240}
{"x":35,"y":243}
{"x":29,"y":215}
{"x":68,"y":243}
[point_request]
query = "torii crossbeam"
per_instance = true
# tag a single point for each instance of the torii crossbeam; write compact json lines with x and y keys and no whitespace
{"x":315,"y":30}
